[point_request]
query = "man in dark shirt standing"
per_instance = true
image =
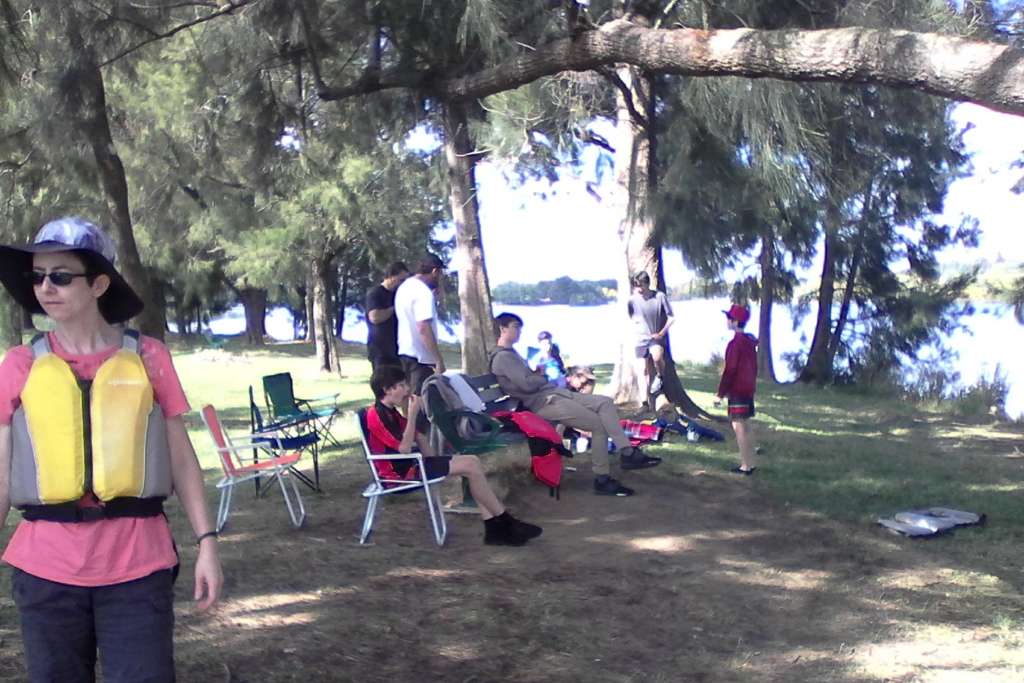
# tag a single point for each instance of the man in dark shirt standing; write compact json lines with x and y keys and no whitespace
{"x":382,"y":340}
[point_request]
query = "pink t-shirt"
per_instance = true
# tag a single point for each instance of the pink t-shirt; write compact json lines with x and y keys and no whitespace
{"x":105,"y":551}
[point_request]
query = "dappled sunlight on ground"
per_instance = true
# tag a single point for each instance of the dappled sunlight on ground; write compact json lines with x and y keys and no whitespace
{"x":662,"y":544}
{"x":928,"y":577}
{"x":419,"y":572}
{"x":272,"y":619}
{"x":945,"y":654}
{"x":762,"y":574}
{"x":458,"y":652}
{"x":236,"y":606}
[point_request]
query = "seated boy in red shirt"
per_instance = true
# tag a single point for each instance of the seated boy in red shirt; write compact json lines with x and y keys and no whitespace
{"x":739,"y":380}
{"x":392,"y":432}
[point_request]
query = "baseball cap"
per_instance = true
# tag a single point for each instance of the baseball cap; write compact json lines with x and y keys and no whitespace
{"x":738,"y":313}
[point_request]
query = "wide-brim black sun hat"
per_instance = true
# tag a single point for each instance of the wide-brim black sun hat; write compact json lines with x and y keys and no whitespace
{"x":118,"y":304}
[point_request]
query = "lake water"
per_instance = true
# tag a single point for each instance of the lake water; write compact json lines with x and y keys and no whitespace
{"x":587,"y":335}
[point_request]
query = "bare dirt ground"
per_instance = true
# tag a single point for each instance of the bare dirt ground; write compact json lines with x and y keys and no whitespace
{"x":700,"y":577}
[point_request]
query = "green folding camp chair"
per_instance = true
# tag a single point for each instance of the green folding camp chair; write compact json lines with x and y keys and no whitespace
{"x":282,"y":403}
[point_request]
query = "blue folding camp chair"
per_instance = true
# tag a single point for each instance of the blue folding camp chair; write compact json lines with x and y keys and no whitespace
{"x":289,"y":435}
{"x":279,"y":394}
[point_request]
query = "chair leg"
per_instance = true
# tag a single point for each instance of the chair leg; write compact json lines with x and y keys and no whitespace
{"x":299,"y":517}
{"x":441,"y":517}
{"x":224,"y":509}
{"x":316,"y":465}
{"x":324,"y":426}
{"x":434,"y":507}
{"x":371,"y":510}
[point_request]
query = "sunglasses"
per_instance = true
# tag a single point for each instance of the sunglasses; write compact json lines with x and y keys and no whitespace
{"x":58,"y":278}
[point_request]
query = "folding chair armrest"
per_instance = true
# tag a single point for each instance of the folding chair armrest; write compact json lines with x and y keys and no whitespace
{"x":415,"y":455}
{"x":273,"y":428}
{"x":308,"y":403}
{"x":325,"y":397}
{"x":246,"y":446}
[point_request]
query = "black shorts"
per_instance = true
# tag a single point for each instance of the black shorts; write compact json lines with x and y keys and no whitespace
{"x":437,"y":466}
{"x":741,"y":408}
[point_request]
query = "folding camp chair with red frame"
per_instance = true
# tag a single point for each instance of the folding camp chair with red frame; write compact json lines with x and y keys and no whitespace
{"x":379,"y":487}
{"x":276,"y":466}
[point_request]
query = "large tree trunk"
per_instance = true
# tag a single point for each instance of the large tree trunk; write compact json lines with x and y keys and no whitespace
{"x":633,"y":166}
{"x":765,"y":363}
{"x":323,"y":317}
{"x":254,"y":302}
{"x":844,"y":307}
{"x":835,"y":340}
{"x":478,"y":337}
{"x":817,"y":369}
{"x":339,"y":324}
{"x":182,"y":315}
{"x":311,"y":334}
{"x":637,"y":177}
{"x":89,"y":107}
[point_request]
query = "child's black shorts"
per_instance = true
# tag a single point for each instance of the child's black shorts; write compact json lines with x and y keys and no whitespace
{"x":437,"y":466}
{"x":741,"y":408}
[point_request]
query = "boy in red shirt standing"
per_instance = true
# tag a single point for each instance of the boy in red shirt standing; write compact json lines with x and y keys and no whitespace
{"x":739,"y":380}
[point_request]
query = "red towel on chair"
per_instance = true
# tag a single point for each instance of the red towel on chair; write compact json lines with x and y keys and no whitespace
{"x":546,"y":446}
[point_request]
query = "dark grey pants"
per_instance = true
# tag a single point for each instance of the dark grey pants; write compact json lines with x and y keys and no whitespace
{"x":416,"y":372}
{"x":130,"y":624}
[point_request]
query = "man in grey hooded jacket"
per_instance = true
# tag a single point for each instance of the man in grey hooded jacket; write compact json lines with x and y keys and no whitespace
{"x":588,"y":412}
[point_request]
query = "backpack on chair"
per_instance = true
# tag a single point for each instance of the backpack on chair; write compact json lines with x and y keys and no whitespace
{"x":465,"y":430}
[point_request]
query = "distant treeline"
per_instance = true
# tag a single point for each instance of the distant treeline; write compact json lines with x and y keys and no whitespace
{"x":571,"y":292}
{"x":564,"y":290}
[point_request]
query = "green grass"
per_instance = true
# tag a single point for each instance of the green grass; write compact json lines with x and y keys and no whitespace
{"x":779,"y":576}
{"x":845,"y":454}
{"x":856,"y":457}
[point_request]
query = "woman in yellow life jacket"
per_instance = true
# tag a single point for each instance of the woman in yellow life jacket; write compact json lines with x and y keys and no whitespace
{"x":92,"y":441}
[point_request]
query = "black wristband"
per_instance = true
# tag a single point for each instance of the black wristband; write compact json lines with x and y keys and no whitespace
{"x":200,"y":537}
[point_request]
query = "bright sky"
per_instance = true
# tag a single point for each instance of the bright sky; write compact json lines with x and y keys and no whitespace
{"x":528,"y":237}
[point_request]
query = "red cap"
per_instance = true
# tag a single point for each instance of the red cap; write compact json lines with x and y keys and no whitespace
{"x":738,"y":313}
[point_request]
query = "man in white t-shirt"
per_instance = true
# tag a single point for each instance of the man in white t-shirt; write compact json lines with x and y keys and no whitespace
{"x":416,"y":311}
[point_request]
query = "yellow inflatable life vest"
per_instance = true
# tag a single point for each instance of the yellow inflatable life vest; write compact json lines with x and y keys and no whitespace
{"x":72,"y":436}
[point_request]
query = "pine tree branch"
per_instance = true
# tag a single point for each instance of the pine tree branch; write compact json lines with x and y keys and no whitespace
{"x":588,"y":136}
{"x":375,"y":81}
{"x":229,"y":7}
{"x":987,"y":73}
{"x":209,"y":4}
{"x":627,"y":96}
